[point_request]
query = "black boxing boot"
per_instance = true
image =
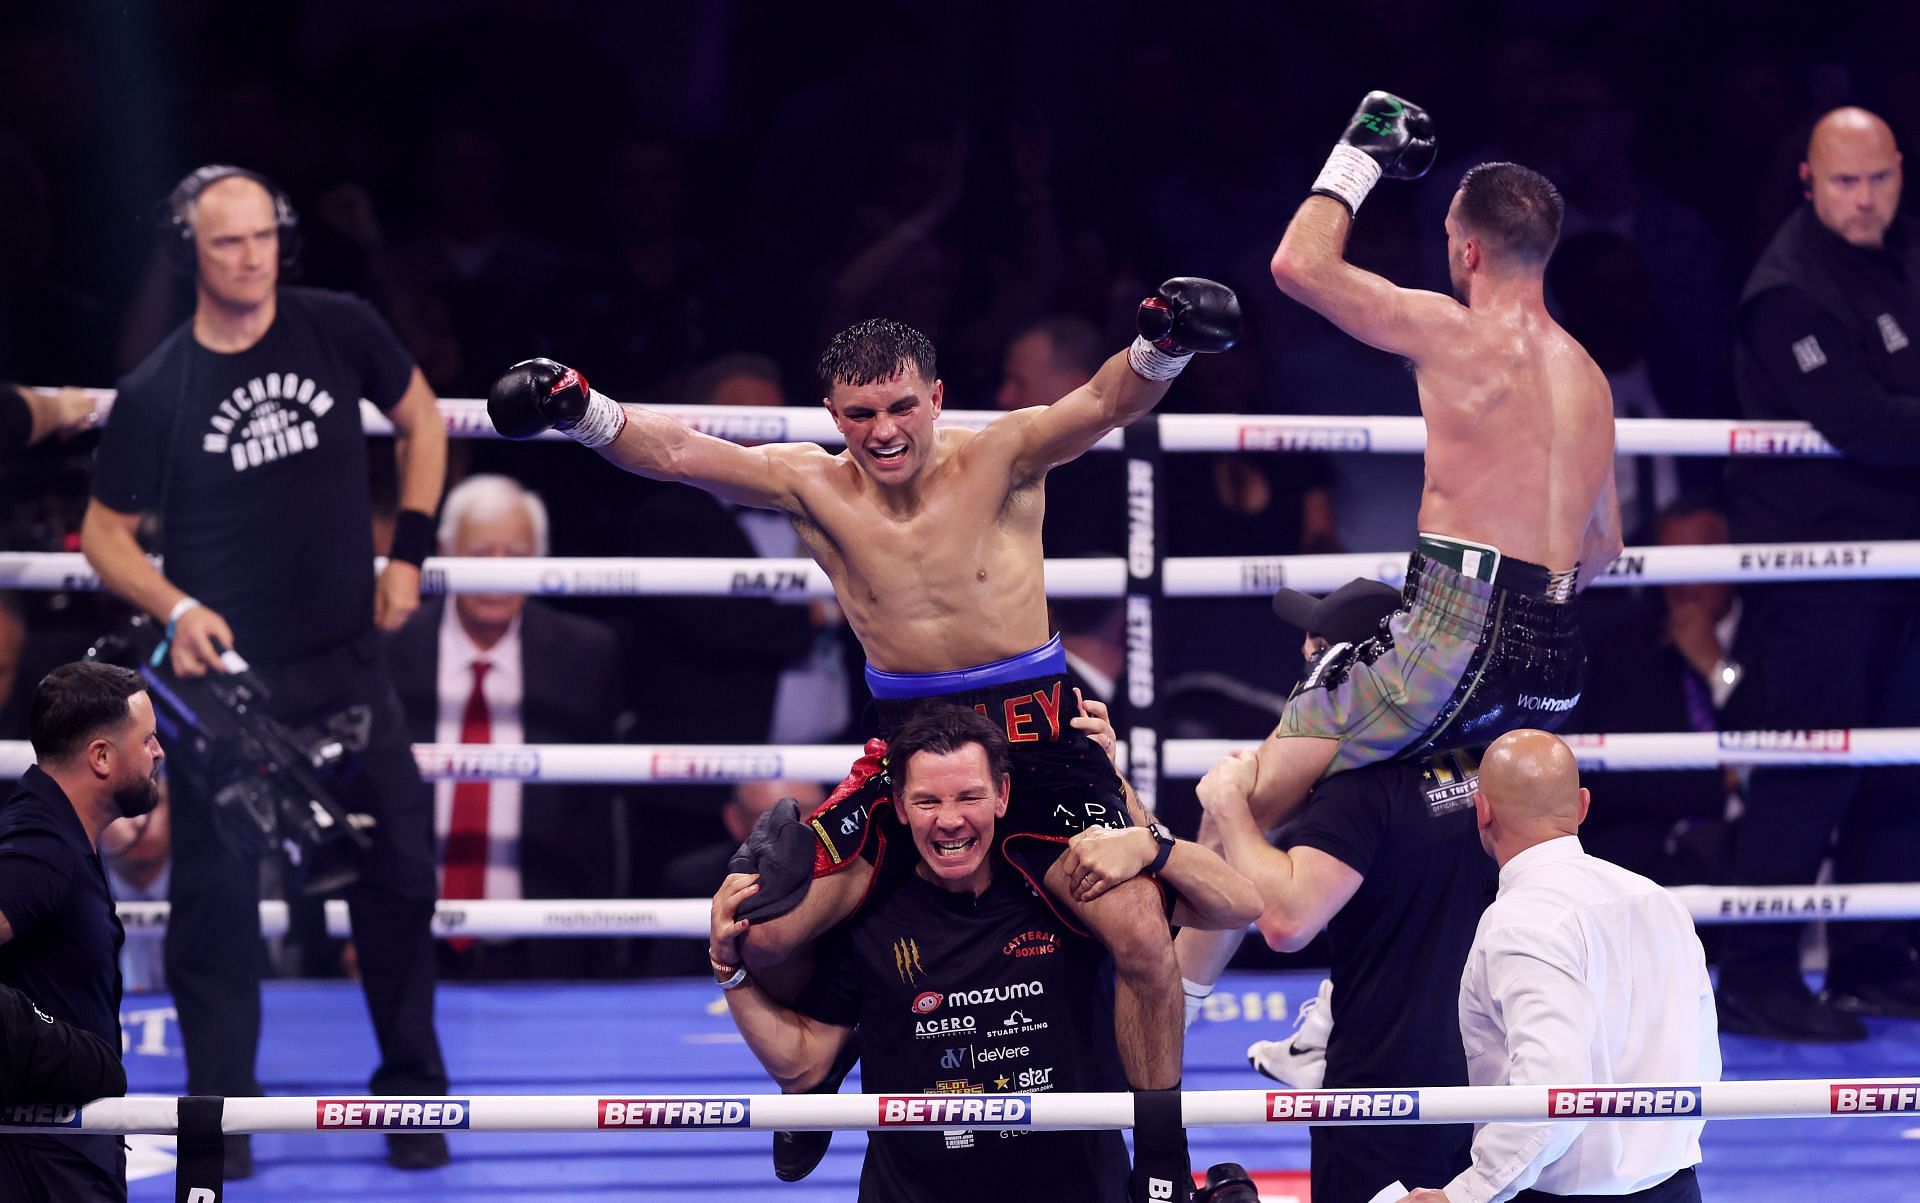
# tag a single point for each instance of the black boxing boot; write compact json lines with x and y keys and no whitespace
{"x":795,"y":1154}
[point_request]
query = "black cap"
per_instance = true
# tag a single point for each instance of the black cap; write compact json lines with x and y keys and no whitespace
{"x":1347,"y":615}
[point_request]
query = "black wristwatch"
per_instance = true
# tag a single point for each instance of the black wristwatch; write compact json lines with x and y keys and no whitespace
{"x":1164,"y":838}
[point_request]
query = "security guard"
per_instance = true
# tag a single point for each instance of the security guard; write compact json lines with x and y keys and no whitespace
{"x":1826,"y":326}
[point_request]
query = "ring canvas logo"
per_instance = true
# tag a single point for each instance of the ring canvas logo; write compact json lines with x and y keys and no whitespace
{"x":390,"y":1114}
{"x":675,"y":1113}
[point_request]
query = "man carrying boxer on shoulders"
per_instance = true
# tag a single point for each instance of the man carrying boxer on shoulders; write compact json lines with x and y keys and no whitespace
{"x":1518,"y":512}
{"x":932,"y":541}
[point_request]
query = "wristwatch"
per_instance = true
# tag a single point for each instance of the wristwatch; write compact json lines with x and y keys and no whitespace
{"x":1164,"y":838}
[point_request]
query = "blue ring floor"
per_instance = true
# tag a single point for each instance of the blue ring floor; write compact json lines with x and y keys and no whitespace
{"x":673,"y":1037}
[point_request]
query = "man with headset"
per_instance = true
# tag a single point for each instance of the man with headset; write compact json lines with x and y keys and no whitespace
{"x":241,"y":433}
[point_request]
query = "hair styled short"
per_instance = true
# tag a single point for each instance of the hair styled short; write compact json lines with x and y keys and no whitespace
{"x":874,"y":350}
{"x":487,"y":495}
{"x":1515,"y":207}
{"x":942,"y":729}
{"x":76,"y":702}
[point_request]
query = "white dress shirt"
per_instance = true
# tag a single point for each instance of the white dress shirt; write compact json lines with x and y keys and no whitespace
{"x":504,"y":687}
{"x":1583,"y":972}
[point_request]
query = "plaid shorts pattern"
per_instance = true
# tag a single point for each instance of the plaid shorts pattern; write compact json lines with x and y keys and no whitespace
{"x":1380,"y":695}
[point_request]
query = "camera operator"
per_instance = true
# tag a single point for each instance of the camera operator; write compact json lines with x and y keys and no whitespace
{"x":242,"y":434}
{"x":98,"y":759}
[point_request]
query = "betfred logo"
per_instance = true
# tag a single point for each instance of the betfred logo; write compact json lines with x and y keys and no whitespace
{"x":1624,"y":1100}
{"x":1874,"y":1098}
{"x":390,"y":1114}
{"x":911,"y":1111}
{"x":40,"y":1115}
{"x":1293,"y":1106}
{"x":1785,"y":741}
{"x":1748,"y":440}
{"x":928,"y":1002}
{"x":674,"y":1113}
{"x":1304,"y":438}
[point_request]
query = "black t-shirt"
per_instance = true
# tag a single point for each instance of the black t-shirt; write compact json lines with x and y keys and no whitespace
{"x":1399,"y":944}
{"x":258,"y":462}
{"x":975,"y":996}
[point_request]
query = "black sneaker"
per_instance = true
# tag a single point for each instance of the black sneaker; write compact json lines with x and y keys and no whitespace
{"x":1894,"y":1000}
{"x":795,"y":1154}
{"x":1786,"y":1013}
{"x":417,"y":1150}
{"x":1227,"y":1182}
{"x":239,"y":1158}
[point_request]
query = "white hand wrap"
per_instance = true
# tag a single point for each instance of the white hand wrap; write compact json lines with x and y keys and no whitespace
{"x":1348,"y":176}
{"x":1151,"y":363}
{"x":601,"y":424}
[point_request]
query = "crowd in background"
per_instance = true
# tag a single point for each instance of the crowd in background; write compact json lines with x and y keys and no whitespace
{"x":686,"y":199}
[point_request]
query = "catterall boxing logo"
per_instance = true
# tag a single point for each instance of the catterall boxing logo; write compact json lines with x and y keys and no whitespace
{"x":475,"y":762}
{"x":1874,"y":1098}
{"x":1811,"y":559}
{"x":1810,"y":905}
{"x":1761,"y":440}
{"x":1624,"y":1100}
{"x":909,"y":1111}
{"x":1785,"y":741}
{"x":686,"y":764}
{"x":390,"y":1114}
{"x":40,"y":1115}
{"x":675,"y":1113}
{"x":1265,"y":437}
{"x":1295,"y":1106}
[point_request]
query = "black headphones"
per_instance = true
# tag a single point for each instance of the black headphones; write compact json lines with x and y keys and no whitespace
{"x":179,"y":212}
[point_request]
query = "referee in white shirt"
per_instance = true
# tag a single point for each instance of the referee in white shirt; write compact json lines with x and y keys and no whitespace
{"x":1581,"y":972}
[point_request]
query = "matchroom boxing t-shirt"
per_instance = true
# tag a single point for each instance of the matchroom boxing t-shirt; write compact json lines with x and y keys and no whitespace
{"x":256,"y":463}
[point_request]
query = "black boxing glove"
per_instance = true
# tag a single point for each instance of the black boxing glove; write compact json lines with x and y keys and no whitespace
{"x":1387,"y":137}
{"x":539,"y":394}
{"x":1187,"y":316}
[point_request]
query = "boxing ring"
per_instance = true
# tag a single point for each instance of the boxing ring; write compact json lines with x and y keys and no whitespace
{"x":1820,"y":1094}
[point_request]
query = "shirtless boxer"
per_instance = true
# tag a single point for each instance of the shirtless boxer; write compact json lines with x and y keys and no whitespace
{"x":1518,"y":512}
{"x":932,"y":541}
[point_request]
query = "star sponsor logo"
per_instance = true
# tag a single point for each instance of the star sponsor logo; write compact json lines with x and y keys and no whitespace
{"x":476,"y":762}
{"x":675,"y":1113}
{"x":1874,"y":1098}
{"x":1585,"y":1101}
{"x":687,"y":764}
{"x":1036,"y":1079}
{"x":909,"y":1111}
{"x":40,"y":1115}
{"x":1294,"y":1106}
{"x":906,"y":963}
{"x":1786,"y":741}
{"x":1269,"y":437}
{"x":391,"y":1114}
{"x":1762,"y":440}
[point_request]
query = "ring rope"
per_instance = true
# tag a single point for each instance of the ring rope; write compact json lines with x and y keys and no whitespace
{"x":1185,"y":576}
{"x":689,"y":917}
{"x":1815,"y":1098}
{"x":1185,"y":759}
{"x":466,"y":418}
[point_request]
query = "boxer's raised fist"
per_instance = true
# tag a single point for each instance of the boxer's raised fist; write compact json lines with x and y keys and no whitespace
{"x":539,"y":394}
{"x":1189,"y":315}
{"x":1387,"y":137}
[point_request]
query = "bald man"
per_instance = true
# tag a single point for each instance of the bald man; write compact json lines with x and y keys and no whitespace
{"x":1825,"y":328}
{"x":1580,"y":972}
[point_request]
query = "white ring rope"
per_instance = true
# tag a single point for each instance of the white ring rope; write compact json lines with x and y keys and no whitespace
{"x":467,"y":418}
{"x":1185,"y":576}
{"x":1064,"y":1111}
{"x":1186,"y":759}
{"x":688,"y":917}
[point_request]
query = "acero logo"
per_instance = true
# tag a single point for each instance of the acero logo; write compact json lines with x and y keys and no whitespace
{"x":928,"y":1002}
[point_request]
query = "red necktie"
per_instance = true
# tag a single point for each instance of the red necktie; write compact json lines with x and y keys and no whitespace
{"x":466,"y":863}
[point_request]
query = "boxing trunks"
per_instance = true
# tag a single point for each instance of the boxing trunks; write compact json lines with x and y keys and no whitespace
{"x":1061,"y":781}
{"x":1482,"y":644}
